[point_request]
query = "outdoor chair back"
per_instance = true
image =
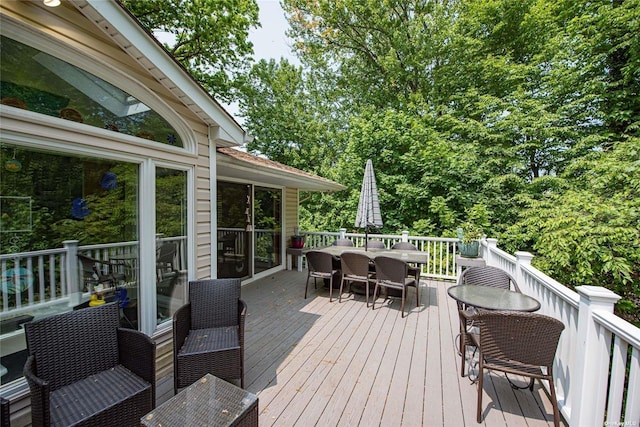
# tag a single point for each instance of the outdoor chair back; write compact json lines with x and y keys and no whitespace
{"x":355,"y":268}
{"x":521,"y":344}
{"x":343,"y":242}
{"x":320,"y":266}
{"x":391,"y":273}
{"x":412,"y":270}
{"x":376,"y":244}
{"x":478,"y":276}
{"x":82,"y":368}
{"x":208,"y":333}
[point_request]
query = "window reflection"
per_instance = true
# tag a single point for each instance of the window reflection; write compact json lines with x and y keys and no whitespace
{"x":171,"y":231}
{"x":36,"y":81}
{"x":57,"y":211}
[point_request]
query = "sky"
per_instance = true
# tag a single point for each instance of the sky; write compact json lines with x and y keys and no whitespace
{"x":270,"y":40}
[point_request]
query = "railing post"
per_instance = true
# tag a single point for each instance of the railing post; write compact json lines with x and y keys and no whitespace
{"x":522,"y":258}
{"x":405,"y":236}
{"x":343,"y":232}
{"x":488,"y":256}
{"x":589,"y":371}
{"x":73,"y":283}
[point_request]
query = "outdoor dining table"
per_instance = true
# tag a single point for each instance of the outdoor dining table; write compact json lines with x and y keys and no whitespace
{"x":489,"y":298}
{"x":417,"y":257}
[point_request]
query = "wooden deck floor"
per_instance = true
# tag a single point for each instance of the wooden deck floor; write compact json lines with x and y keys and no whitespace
{"x":312,"y":362}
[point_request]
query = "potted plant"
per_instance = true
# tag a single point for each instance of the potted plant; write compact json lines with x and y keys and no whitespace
{"x":469,"y":235}
{"x":297,"y":241}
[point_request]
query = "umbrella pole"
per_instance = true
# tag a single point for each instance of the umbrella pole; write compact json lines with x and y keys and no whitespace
{"x":366,"y":238}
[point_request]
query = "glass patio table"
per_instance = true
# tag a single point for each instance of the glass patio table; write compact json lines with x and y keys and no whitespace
{"x":490,"y":298}
{"x":210,"y":401}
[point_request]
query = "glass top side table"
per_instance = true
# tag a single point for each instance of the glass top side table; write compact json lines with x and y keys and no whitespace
{"x":210,"y":401}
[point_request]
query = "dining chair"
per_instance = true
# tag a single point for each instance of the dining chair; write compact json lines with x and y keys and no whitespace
{"x":83,"y":369}
{"x":518,"y":343}
{"x":392,"y":273}
{"x":412,"y":270}
{"x":376,"y":244}
{"x":478,"y":276}
{"x":321,"y":266}
{"x":5,"y":416}
{"x":343,"y":242}
{"x":208,"y":333}
{"x":355,"y":268}
{"x":97,"y":272}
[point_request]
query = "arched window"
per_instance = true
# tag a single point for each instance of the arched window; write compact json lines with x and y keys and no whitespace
{"x":36,"y":81}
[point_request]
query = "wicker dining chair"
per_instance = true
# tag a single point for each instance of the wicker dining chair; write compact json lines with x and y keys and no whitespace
{"x":343,"y":242}
{"x":5,"y":416}
{"x":412,"y":270}
{"x":392,"y":273}
{"x":478,"y":276}
{"x":83,"y":369}
{"x":321,"y":266}
{"x":375,"y":244}
{"x":518,"y":343}
{"x":208,"y":333}
{"x":355,"y":268}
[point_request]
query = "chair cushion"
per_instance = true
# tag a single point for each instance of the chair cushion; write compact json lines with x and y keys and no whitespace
{"x":78,"y":401}
{"x":212,"y":339}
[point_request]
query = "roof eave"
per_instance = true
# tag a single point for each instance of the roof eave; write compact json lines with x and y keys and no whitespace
{"x":116,"y":21}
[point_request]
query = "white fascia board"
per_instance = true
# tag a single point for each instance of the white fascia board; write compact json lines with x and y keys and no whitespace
{"x":118,"y":22}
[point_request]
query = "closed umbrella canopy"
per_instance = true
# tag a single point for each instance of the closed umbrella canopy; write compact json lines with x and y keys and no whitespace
{"x":368,"y":214}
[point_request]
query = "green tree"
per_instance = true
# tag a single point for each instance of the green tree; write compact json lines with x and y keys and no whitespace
{"x":210,"y":37}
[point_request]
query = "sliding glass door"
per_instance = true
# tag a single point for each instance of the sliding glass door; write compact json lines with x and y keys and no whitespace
{"x":267,"y":228}
{"x":249,"y":229}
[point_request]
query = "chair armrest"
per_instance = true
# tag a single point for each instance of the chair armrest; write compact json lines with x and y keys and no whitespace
{"x":40,"y":390}
{"x":137,"y":352}
{"x":181,"y":326}
{"x":242,"y":315}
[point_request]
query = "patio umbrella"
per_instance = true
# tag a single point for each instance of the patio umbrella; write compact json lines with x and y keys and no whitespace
{"x":368,"y":214}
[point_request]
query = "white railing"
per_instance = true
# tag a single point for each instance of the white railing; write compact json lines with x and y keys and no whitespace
{"x":52,"y":278}
{"x":441,"y":262}
{"x":597,"y":365}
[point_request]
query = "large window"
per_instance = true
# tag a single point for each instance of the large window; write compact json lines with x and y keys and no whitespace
{"x":68,"y":239}
{"x":36,"y":81}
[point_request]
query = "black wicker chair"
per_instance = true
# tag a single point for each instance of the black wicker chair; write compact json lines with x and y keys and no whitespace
{"x":321,"y":265}
{"x":5,"y":417}
{"x":521,"y":344}
{"x":392,"y":273}
{"x":355,"y":268}
{"x":478,"y":276}
{"x":208,"y":333}
{"x":84,"y":370}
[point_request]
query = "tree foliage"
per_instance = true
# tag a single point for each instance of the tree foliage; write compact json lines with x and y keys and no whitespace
{"x":523,"y":115}
{"x":210,"y":37}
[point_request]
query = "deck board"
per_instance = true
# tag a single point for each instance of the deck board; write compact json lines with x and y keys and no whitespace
{"x":312,"y":362}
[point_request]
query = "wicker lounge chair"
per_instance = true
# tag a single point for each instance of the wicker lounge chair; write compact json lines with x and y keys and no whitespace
{"x":83,"y":369}
{"x":208,"y":333}
{"x":355,"y":268}
{"x":321,"y":266}
{"x":392,"y":273}
{"x":478,"y":276}
{"x":518,"y":343}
